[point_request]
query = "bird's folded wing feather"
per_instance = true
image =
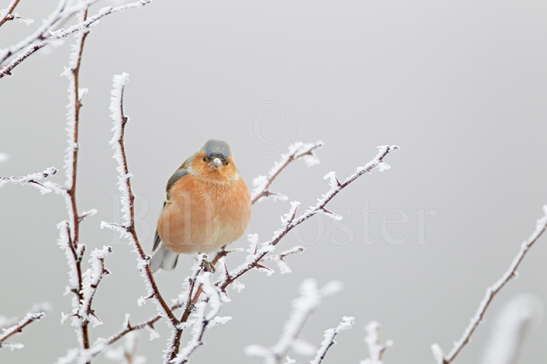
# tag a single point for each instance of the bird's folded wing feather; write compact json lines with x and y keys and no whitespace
{"x":179,"y":173}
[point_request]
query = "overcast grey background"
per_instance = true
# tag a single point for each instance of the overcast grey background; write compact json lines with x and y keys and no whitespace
{"x":459,"y":85}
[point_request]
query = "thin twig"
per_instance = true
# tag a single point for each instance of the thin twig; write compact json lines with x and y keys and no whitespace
{"x":40,"y":40}
{"x":128,"y":197}
{"x":329,"y":339}
{"x":296,"y":152}
{"x":34,"y":179}
{"x":73,"y":224}
{"x":376,"y":349}
{"x":311,"y":296}
{"x":9,"y":12}
{"x":18,"y":328}
{"x":291,"y":221}
{"x":491,"y":293}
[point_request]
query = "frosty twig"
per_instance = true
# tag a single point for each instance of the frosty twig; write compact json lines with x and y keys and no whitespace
{"x":70,"y":229}
{"x":128,"y":228}
{"x":18,"y":328}
{"x":329,"y":339}
{"x":304,"y":306}
{"x":291,"y":220}
{"x":296,"y":151}
{"x":9,"y":15}
{"x":376,"y":349}
{"x":34,"y":179}
{"x":491,"y":293}
{"x":511,"y":329}
{"x":52,"y":30}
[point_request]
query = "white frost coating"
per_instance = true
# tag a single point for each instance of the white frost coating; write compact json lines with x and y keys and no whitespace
{"x":64,"y":244}
{"x":297,"y":150}
{"x":51,"y":32}
{"x":7,"y":321}
{"x":332,"y":179}
{"x":303,"y":347}
{"x":382,"y":167}
{"x":438,"y":353}
{"x":284,"y":268}
{"x":290,"y":221}
{"x":4,"y":157}
{"x":511,"y":329}
{"x":204,"y":316}
{"x":310,"y":298}
{"x":126,"y":353}
{"x":88,"y":213}
{"x":492,"y":291}
{"x":253,"y":243}
{"x":118,"y":83}
{"x":17,"y":328}
{"x":36,"y":180}
{"x":238,"y":286}
{"x":375,"y":348}
{"x":329,"y":338}
{"x":288,"y":217}
{"x":69,"y":357}
{"x":13,"y":346}
{"x":91,"y":279}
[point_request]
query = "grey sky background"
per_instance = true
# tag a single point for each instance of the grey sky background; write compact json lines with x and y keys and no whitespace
{"x":460,"y":86}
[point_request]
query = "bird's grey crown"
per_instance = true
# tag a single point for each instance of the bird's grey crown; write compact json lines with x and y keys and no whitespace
{"x":213,"y":147}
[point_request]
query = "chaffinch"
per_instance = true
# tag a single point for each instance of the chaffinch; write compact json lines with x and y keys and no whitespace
{"x":208,"y":205}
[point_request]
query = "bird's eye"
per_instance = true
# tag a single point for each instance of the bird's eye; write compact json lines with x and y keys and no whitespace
{"x":205,"y":159}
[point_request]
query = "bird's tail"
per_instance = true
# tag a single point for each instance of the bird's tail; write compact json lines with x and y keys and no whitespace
{"x":163,"y":258}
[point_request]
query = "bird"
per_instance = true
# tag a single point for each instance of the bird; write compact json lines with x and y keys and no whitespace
{"x":207,"y":206}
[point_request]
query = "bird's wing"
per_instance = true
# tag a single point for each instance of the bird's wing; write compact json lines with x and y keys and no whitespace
{"x":157,"y":241}
{"x":179,"y":173}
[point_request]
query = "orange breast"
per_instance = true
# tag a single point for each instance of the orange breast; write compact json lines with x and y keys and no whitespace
{"x":202,"y":216}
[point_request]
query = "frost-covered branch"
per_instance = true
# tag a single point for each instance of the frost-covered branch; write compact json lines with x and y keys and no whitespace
{"x":37,"y":179}
{"x":52,"y":31}
{"x":329,"y":339}
{"x":19,"y":327}
{"x":491,"y":293}
{"x":204,"y":315}
{"x":8,"y":14}
{"x":376,"y":349}
{"x":291,"y":221}
{"x":510,"y":330}
{"x":297,"y":151}
{"x":128,"y":228}
{"x":304,"y":306}
{"x":92,"y":279}
{"x":127,"y":352}
{"x":69,"y":239}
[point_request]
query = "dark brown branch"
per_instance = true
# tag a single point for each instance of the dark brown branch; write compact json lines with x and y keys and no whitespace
{"x":264,"y":190}
{"x":9,"y":13}
{"x":491,"y":294}
{"x":18,"y":328}
{"x":94,"y":281}
{"x":293,"y":222}
{"x":131,"y":228}
{"x":50,"y":33}
{"x":73,"y":226}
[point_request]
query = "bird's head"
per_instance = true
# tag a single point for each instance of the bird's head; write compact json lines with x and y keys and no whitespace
{"x":214,"y":161}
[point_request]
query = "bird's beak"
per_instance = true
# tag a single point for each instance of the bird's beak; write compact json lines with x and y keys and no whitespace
{"x":216,"y":162}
